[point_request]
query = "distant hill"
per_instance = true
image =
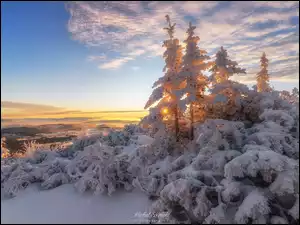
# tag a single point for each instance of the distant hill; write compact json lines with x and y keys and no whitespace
{"x":34,"y":130}
{"x":22,"y":131}
{"x":102,"y":126}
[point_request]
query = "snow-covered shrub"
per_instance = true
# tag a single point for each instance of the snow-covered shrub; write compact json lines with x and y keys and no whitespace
{"x":292,"y":97}
{"x":40,"y":167}
{"x":53,"y":173}
{"x":222,"y":134}
{"x":40,"y":156}
{"x":132,"y":129}
{"x":36,"y":153}
{"x":278,"y":116}
{"x":64,"y":149}
{"x":233,"y":174}
{"x":15,"y":177}
{"x":83,"y":141}
{"x":100,"y":168}
{"x":31,"y":147}
{"x":115,"y":138}
{"x":282,"y":143}
{"x":12,"y":146}
{"x":275,"y":132}
{"x":78,"y":144}
{"x":255,"y":103}
{"x":4,"y":150}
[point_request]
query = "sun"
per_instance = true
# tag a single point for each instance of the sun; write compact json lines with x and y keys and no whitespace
{"x":165,"y":111}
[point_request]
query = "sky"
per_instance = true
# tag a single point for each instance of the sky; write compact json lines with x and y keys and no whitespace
{"x":96,"y":59}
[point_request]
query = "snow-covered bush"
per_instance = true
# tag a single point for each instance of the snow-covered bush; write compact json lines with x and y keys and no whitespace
{"x":42,"y":167}
{"x":132,"y":129}
{"x":255,"y":103}
{"x":83,"y":141}
{"x":53,"y":173}
{"x":15,"y":177}
{"x":232,"y":175}
{"x":31,"y":147}
{"x":4,"y":150}
{"x":78,"y":144}
{"x":100,"y":168}
{"x":116,"y":138}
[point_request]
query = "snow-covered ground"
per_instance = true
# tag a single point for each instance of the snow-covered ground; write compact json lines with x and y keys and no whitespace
{"x":64,"y":205}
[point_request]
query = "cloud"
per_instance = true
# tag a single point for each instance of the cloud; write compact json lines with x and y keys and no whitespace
{"x":16,"y":113}
{"x":96,"y":57}
{"x":246,"y":29}
{"x":115,"y":121}
{"x":116,"y":63}
{"x":29,"y":110}
{"x":137,"y":52}
{"x":28,"y":106}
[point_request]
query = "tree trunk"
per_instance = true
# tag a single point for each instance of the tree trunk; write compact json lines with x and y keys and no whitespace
{"x":192,"y":122}
{"x":176,"y":123}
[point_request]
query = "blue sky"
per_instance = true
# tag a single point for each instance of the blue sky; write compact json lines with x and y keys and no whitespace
{"x":105,"y":56}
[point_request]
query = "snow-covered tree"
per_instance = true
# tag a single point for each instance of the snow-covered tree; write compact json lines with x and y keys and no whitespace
{"x":153,"y":121}
{"x":193,"y":65}
{"x":262,"y":77}
{"x":224,"y":68}
{"x":292,"y":98}
{"x":225,"y":93}
{"x":165,"y":87}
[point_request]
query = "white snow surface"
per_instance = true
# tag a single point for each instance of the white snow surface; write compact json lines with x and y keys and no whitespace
{"x":64,"y":205}
{"x":144,"y":140}
{"x":141,"y":140}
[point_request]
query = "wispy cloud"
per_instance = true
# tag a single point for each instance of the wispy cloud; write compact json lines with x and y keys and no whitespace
{"x":133,"y":29}
{"x":19,"y":110}
{"x":115,"y":63}
{"x":28,"y":106}
{"x":96,"y":58}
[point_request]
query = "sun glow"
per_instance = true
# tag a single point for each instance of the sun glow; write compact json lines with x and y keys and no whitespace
{"x":165,"y":111}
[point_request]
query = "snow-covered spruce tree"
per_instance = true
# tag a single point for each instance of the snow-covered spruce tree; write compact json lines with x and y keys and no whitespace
{"x":262,"y":77}
{"x":164,"y":92}
{"x":193,"y":65}
{"x":224,"y":68}
{"x":224,"y":92}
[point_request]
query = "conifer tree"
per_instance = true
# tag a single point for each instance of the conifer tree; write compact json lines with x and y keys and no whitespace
{"x":225,"y":92}
{"x":166,"y":86}
{"x":224,"y":68}
{"x":194,"y":63}
{"x":262,"y":77}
